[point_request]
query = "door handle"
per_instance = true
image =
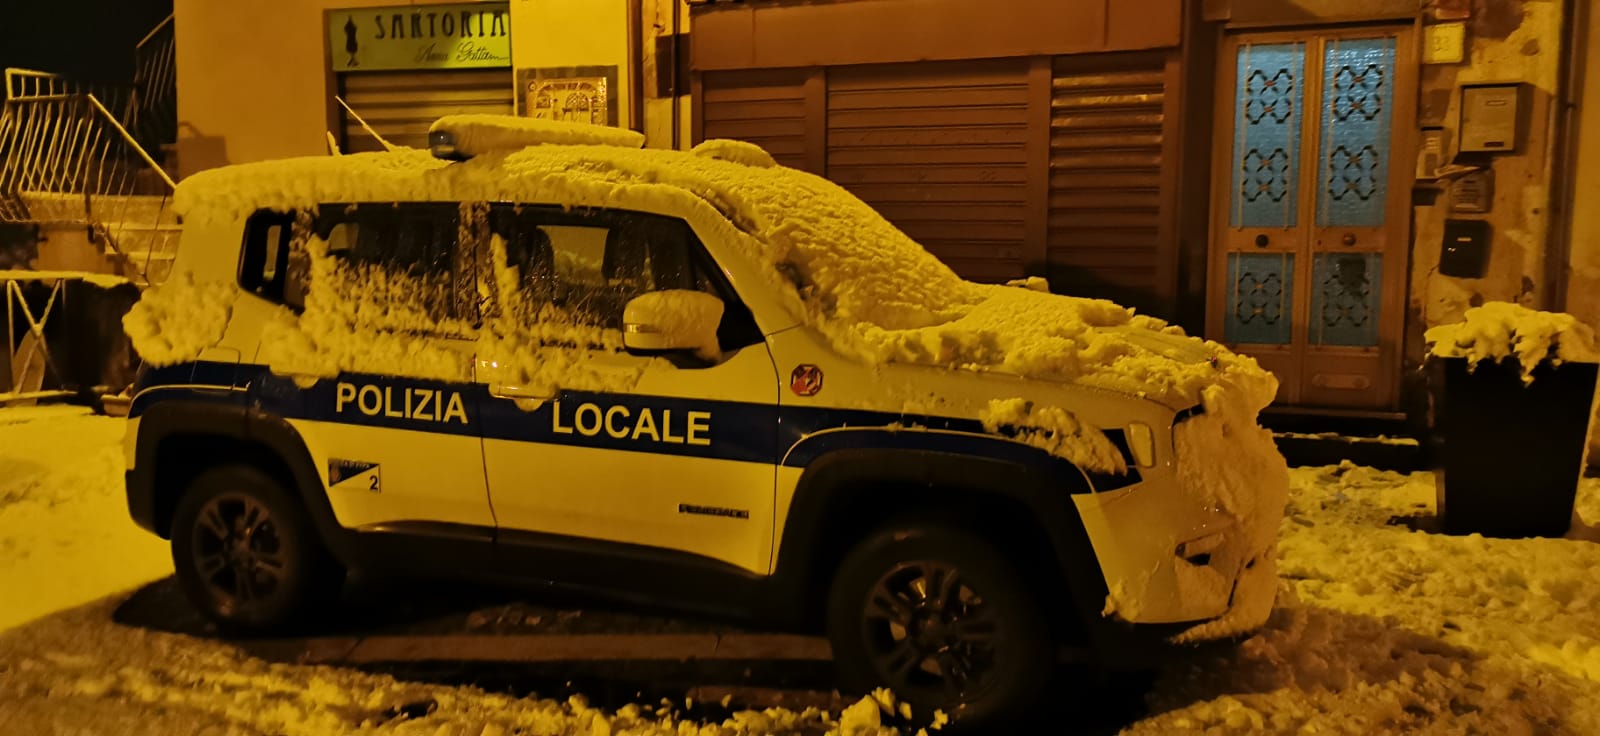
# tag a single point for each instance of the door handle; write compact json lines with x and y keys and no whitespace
{"x":504,"y":391}
{"x":1348,"y":239}
{"x":488,"y":371}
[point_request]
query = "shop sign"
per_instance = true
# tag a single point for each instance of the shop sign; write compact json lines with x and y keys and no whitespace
{"x":455,"y":36}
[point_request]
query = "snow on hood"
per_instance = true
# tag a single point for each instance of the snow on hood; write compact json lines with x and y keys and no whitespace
{"x":871,"y":290}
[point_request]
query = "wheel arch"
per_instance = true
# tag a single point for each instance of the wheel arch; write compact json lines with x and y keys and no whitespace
{"x":845,"y":494}
{"x":179,"y":440}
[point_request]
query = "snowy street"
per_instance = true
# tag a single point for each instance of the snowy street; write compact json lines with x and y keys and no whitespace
{"x":1379,"y":629}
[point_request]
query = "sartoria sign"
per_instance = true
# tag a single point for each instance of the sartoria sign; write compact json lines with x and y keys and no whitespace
{"x":420,"y":37}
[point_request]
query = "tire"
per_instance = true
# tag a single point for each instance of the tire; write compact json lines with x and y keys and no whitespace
{"x":983,"y":653}
{"x":235,"y":519}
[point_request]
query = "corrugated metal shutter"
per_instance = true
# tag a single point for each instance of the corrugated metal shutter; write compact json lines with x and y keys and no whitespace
{"x":765,"y":107}
{"x":938,"y":148}
{"x":1106,"y":186}
{"x":401,"y":105}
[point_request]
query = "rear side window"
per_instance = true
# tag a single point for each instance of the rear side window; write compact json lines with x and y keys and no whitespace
{"x":404,"y":264}
{"x":264,"y":262}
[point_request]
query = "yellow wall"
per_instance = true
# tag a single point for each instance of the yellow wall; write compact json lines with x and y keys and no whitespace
{"x":556,"y":33}
{"x":253,"y":79}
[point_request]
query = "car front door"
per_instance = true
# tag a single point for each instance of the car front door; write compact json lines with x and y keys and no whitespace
{"x":585,"y":442}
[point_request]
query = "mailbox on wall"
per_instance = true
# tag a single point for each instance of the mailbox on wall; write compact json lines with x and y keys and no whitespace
{"x":1465,"y":252}
{"x":1492,"y":117}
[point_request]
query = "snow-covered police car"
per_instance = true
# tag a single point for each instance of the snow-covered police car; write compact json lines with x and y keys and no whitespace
{"x":541,"y":352}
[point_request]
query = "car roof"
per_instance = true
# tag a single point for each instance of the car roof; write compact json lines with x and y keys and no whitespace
{"x":838,"y":248}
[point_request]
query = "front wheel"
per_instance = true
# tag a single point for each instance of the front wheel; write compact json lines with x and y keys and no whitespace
{"x":247,"y":555}
{"x":941,"y":618}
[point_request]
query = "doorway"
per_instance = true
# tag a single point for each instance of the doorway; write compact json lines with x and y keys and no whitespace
{"x":1309,"y":245}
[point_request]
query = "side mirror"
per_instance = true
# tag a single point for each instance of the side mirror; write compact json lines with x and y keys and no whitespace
{"x":672,"y":320}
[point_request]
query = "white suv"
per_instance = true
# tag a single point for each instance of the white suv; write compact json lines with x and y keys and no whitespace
{"x":541,"y":353}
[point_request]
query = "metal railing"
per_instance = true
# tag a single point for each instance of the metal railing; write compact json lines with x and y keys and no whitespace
{"x":31,"y":83}
{"x":153,"y":114}
{"x":65,"y":159}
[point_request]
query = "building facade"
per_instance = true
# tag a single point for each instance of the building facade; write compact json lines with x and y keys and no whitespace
{"x":1313,"y":182}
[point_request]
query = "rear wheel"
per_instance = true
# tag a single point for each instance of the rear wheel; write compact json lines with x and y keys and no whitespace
{"x":247,"y":555}
{"x":941,"y":618}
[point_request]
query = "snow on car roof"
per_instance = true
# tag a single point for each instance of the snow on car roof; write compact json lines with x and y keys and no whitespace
{"x":802,"y":219}
{"x":872,"y":290}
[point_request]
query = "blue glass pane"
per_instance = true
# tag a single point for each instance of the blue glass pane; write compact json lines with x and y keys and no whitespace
{"x":1266,"y":134}
{"x":1358,"y":92}
{"x":1260,"y":298}
{"x":1346,"y":298}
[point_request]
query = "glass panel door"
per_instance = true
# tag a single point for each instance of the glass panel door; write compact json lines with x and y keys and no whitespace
{"x":1308,"y":255}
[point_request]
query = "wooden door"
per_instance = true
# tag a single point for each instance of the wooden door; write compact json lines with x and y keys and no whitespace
{"x":1309,"y":231}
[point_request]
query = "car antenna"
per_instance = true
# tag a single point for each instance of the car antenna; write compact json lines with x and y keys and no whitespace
{"x":387,"y":146}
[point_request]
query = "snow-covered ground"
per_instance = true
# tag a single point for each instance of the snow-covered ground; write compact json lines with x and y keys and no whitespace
{"x":1380,"y":629}
{"x":65,"y":535}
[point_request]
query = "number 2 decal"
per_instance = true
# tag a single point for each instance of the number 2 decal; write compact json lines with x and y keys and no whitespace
{"x":354,"y":474}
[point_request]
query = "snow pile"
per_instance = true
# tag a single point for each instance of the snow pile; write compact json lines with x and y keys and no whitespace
{"x":78,"y":673}
{"x":65,"y":535}
{"x":1056,"y":431}
{"x":1500,"y":330}
{"x":479,"y":134}
{"x":1381,"y":629}
{"x":1233,"y":467}
{"x":175,"y":321}
{"x":739,"y":152}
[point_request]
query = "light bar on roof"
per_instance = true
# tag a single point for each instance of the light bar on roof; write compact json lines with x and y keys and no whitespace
{"x":461,"y":137}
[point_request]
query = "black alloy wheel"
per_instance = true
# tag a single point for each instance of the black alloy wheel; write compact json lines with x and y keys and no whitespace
{"x":238,"y":552}
{"x":927,"y":631}
{"x":246,"y":554}
{"x":941,"y":618}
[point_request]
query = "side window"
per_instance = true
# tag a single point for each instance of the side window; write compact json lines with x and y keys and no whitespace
{"x":264,"y":259}
{"x":401,"y":265}
{"x":588,"y":265}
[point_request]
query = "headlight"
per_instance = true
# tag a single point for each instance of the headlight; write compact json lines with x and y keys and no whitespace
{"x":1142,"y":443}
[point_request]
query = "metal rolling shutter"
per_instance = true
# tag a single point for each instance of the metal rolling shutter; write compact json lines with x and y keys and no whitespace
{"x":765,"y":107}
{"x":401,"y":105}
{"x":938,"y":148}
{"x":1106,"y":186}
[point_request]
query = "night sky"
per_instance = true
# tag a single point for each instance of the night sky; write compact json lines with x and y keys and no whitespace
{"x":85,"y":39}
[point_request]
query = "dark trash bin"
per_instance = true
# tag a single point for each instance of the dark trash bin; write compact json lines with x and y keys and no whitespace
{"x":1513,"y":451}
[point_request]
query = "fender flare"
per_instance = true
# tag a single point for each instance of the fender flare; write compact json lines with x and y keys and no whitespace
{"x":246,"y":426}
{"x":987,"y":466}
